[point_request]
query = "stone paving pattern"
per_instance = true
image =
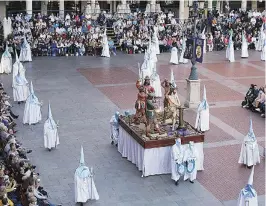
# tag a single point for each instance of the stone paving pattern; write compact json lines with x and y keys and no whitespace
{"x":86,"y":91}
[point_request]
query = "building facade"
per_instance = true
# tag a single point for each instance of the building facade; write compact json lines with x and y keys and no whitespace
{"x":61,"y":7}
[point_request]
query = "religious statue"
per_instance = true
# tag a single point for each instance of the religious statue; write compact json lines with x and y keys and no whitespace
{"x":147,"y":85}
{"x":140,"y":106}
{"x":151,"y":116}
{"x":173,"y":103}
{"x":166,"y":85}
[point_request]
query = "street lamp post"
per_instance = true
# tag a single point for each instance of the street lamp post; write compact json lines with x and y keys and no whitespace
{"x":193,"y":73}
{"x":193,"y":82}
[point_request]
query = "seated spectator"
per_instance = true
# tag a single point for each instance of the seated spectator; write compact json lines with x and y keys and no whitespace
{"x":251,"y":95}
{"x":260,"y":99}
{"x":112,"y":46}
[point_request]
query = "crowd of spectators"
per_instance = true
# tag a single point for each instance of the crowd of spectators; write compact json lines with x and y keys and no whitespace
{"x":249,"y":22}
{"x":255,"y":99}
{"x":19,"y":182}
{"x":80,"y":35}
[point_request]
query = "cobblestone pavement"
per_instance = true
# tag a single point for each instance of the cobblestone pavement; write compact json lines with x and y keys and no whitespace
{"x":85,"y":91}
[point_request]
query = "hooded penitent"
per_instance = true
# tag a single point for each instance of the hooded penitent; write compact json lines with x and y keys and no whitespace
{"x":203,"y":114}
{"x":17,"y":66}
{"x":156,"y":82}
{"x":32,"y":111}
{"x":6,"y":62}
{"x":84,"y":184}
{"x":51,"y":138}
{"x":249,"y":154}
{"x":20,"y":88}
{"x":25,"y":52}
{"x":204,"y":38}
{"x":114,"y":128}
{"x":248,"y":195}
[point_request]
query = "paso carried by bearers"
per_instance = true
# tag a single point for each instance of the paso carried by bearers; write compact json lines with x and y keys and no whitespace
{"x":114,"y":128}
{"x":20,"y":88}
{"x":203,"y":114}
{"x":177,"y":165}
{"x":32,"y":111}
{"x":51,"y":138}
{"x":191,"y":157}
{"x":249,"y":154}
{"x":85,"y":188}
{"x":248,"y":195}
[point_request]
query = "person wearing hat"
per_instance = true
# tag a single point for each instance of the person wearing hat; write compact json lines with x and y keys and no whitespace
{"x":150,"y":115}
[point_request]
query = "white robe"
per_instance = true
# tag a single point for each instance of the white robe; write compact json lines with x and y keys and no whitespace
{"x":18,"y":66}
{"x":204,"y":45}
{"x":182,"y":59}
{"x":263,"y":53}
{"x":105,"y":51}
{"x":176,"y":158}
{"x":32,"y":112}
{"x":20,"y":91}
{"x":5,"y":28}
{"x":227,"y":52}
{"x":85,"y":189}
{"x":114,"y":129}
{"x":249,"y":154}
{"x":146,"y":69}
{"x":231,"y":57}
{"x":191,"y":155}
{"x":203,"y":120}
{"x":244,"y":48}
{"x":156,"y":84}
{"x":250,"y":201}
{"x":51,"y":138}
{"x":174,"y":56}
{"x":25,"y":53}
{"x":6,"y":63}
{"x":156,"y":41}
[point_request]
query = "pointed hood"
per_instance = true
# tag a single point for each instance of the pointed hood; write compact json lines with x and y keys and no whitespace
{"x":32,"y":98}
{"x":6,"y":52}
{"x":251,"y":136}
{"x":203,"y":31}
{"x":17,"y":59}
{"x":82,"y":171}
{"x":204,"y":104}
{"x":248,"y":191}
{"x":251,"y":176}
{"x":20,"y":79}
{"x":81,"y":161}
{"x":50,"y":119}
{"x":204,"y":94}
{"x":139,"y":70}
{"x":172,"y":78}
{"x":31,"y":88}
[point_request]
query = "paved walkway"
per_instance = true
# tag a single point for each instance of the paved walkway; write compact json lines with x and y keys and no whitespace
{"x":85,"y":92}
